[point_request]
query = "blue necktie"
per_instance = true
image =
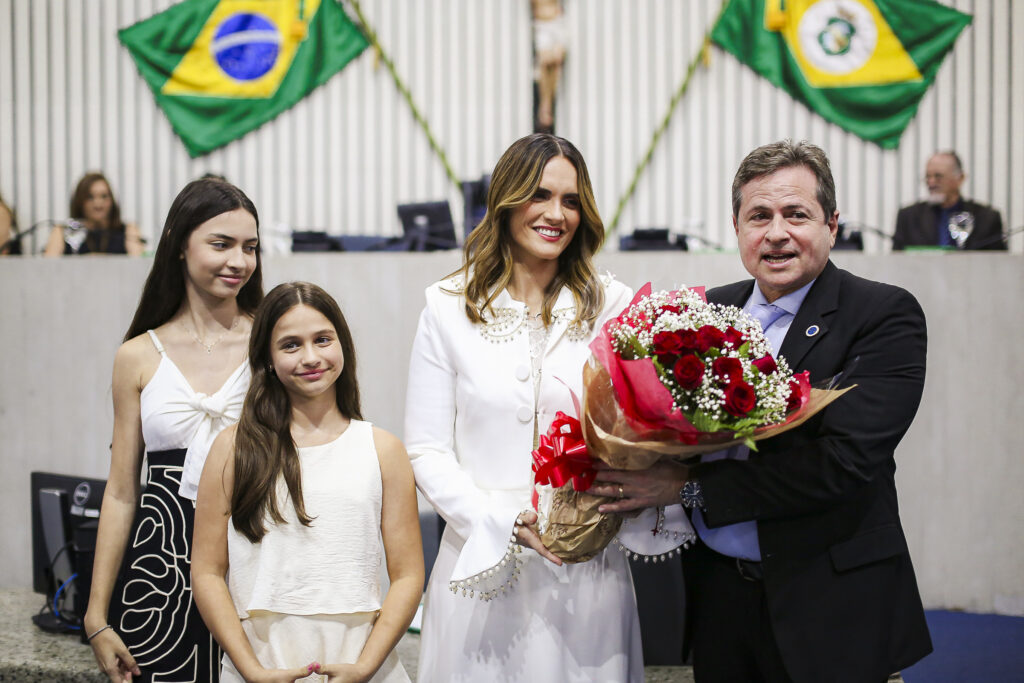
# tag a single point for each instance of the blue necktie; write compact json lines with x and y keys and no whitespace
{"x":767,"y":314}
{"x":740,"y":539}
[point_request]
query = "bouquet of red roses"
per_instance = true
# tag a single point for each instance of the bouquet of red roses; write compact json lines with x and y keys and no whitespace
{"x":671,"y":376}
{"x":680,"y":376}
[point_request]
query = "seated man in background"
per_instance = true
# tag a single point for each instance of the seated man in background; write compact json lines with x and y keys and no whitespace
{"x":946,"y":218}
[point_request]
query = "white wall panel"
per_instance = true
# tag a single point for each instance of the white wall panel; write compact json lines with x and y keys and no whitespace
{"x":959,"y":468}
{"x":71,"y":101}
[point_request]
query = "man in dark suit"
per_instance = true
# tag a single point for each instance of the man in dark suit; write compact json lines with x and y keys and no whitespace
{"x":937,"y":222}
{"x":802,"y":571}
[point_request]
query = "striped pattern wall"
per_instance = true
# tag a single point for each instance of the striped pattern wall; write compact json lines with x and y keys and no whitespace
{"x":71,"y":100}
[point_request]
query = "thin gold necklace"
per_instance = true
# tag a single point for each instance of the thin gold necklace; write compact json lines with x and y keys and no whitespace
{"x":209,"y":347}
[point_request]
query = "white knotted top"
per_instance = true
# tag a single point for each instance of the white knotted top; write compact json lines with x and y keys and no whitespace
{"x":176,"y":416}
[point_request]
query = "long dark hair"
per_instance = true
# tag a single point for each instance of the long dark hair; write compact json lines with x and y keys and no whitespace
{"x":164,"y":291}
{"x":264,"y":448}
{"x":487,"y":263}
{"x":98,"y":238}
{"x":81,"y":196}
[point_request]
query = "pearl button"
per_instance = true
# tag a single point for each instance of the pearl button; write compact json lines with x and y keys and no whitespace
{"x":522,"y":373}
{"x":525,"y":414}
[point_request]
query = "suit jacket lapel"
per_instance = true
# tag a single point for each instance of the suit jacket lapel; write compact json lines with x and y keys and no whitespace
{"x":822,"y":299}
{"x":735,"y":294}
{"x":925,"y":225}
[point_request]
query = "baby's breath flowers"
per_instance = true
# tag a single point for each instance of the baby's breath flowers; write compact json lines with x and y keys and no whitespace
{"x":714,"y":361}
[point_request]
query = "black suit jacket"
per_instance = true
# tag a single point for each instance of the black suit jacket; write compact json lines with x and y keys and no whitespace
{"x":838,"y":579}
{"x":915,"y":226}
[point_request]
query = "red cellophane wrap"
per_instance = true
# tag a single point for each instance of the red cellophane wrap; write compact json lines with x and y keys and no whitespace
{"x":624,"y":442}
{"x":629,"y":422}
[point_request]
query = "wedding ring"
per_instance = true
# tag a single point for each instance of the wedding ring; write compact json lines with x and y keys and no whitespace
{"x":621,"y":494}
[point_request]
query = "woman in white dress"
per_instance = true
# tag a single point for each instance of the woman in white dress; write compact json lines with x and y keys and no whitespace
{"x":500,"y":343}
{"x":297,"y":504}
{"x":179,"y":378}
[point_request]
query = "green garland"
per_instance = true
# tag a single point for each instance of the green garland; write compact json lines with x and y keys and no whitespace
{"x":663,"y":126}
{"x":371,"y":35}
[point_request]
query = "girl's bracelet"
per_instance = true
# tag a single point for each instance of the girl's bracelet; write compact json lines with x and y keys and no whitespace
{"x":97,"y":632}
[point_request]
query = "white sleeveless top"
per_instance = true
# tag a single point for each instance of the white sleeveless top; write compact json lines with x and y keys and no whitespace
{"x":175,"y":416}
{"x":331,"y":566}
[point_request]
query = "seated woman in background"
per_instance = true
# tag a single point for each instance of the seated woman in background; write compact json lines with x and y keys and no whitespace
{"x":100,"y":229}
{"x":6,"y":228}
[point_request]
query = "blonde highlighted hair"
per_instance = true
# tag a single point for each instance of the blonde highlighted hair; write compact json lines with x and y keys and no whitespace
{"x":487,"y":263}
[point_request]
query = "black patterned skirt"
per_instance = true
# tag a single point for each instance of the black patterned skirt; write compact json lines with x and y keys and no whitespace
{"x":152,"y":606}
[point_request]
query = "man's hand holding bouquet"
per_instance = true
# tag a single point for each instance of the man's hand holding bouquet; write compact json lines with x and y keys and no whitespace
{"x":671,"y":377}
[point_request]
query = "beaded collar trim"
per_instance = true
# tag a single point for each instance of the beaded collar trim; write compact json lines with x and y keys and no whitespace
{"x":506,"y":323}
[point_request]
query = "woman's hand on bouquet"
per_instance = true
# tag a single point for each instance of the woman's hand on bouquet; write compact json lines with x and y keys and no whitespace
{"x":637,"y":489}
{"x":113,"y":656}
{"x":526,"y":535}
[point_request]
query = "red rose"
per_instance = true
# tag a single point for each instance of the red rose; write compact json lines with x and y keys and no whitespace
{"x":728,"y":370}
{"x":766,"y":365}
{"x":689,"y":371}
{"x":708,"y":337}
{"x":796,"y":391}
{"x":667,"y":360}
{"x":734,"y":337}
{"x":740,"y":398}
{"x":669,"y":308}
{"x":667,"y":343}
{"x":688,"y":340}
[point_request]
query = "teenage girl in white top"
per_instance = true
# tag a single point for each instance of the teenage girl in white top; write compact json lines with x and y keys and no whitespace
{"x":179,"y":378}
{"x":292,"y":502}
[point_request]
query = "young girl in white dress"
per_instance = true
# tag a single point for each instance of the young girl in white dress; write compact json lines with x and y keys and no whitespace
{"x":179,"y":378}
{"x":293,"y":505}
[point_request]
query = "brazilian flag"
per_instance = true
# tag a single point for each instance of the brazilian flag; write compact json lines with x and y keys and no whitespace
{"x":862,"y":64}
{"x":221,"y":68}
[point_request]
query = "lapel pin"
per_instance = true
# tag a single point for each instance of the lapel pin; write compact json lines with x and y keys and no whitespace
{"x":812,"y":330}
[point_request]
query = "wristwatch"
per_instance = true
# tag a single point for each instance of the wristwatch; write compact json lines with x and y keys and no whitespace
{"x":691,"y":495}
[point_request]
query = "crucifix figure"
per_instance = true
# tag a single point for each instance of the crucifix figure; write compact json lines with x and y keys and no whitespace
{"x":549,"y":41}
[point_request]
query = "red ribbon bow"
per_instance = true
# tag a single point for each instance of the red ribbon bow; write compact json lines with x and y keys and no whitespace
{"x":562,"y":455}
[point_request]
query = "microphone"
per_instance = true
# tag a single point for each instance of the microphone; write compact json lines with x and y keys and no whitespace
{"x":847,"y":229}
{"x":72,"y":226}
{"x":688,"y":236}
{"x":75,"y":233}
{"x":1003,"y":237}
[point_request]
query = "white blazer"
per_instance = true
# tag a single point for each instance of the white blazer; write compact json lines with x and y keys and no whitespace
{"x":469,"y":419}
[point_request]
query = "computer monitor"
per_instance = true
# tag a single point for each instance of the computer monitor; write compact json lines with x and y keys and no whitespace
{"x":652,"y":239}
{"x":65,"y":515}
{"x":427,"y":226}
{"x":474,"y":195}
{"x":315,"y":240}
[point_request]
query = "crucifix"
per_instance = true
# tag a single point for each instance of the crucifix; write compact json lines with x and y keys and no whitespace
{"x":549,"y":43}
